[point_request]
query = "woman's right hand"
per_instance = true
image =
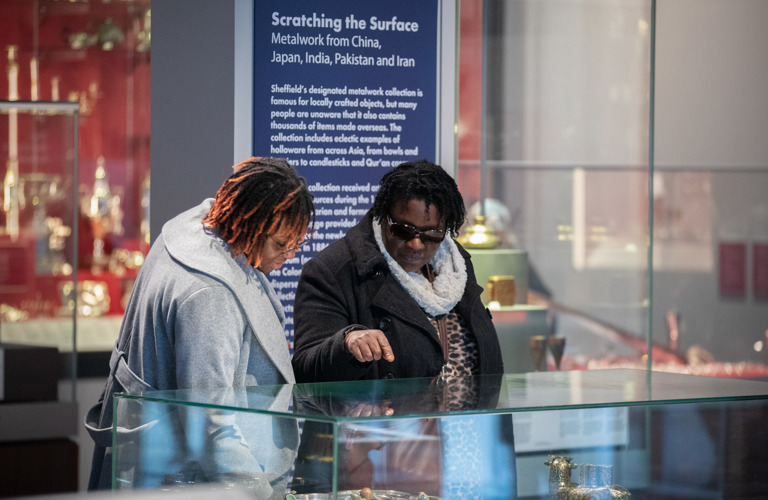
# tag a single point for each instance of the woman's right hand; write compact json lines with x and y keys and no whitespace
{"x":368,"y":345}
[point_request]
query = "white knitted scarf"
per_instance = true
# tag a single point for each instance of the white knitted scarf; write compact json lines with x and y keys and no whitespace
{"x":440,"y":296}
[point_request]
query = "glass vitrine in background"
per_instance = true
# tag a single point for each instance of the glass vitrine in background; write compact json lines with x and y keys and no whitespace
{"x":95,"y":56}
{"x":38,"y":234}
{"x":38,"y":269}
{"x":634,"y":194}
{"x":709,"y":183}
{"x":553,"y":152}
{"x":710,"y":234}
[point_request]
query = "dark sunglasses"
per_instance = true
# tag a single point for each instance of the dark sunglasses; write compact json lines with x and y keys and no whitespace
{"x":407,"y":232}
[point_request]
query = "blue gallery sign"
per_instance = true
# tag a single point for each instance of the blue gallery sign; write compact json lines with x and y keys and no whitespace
{"x":345,"y":90}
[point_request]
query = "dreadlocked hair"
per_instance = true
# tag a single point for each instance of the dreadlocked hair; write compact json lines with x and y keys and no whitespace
{"x":262,"y":197}
{"x":421,"y":180}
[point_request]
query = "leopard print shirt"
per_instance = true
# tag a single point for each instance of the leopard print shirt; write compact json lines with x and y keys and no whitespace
{"x":462,"y":347}
{"x":462,"y":360}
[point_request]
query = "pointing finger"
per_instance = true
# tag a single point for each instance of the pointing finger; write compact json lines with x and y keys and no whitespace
{"x":386,"y":349}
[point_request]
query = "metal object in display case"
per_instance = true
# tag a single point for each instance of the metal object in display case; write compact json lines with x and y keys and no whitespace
{"x":560,"y":484}
{"x":595,"y":481}
{"x":501,"y":290}
{"x":478,"y":235}
{"x":557,"y":349}
{"x":38,"y":242}
{"x":538,"y":345}
{"x":94,"y":59}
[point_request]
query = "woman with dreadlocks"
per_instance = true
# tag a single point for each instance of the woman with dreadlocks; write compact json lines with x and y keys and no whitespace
{"x":203,"y":314}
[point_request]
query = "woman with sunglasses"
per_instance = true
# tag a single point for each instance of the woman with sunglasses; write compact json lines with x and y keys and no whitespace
{"x":202,"y":314}
{"x":397,"y":296}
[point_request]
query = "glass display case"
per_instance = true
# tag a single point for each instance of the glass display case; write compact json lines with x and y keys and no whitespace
{"x":38,"y":345}
{"x":635,"y":193}
{"x":38,"y":234}
{"x":93,"y":56}
{"x":536,"y":435}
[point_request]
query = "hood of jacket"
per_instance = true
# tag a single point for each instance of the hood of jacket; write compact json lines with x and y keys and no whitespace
{"x":190,"y":243}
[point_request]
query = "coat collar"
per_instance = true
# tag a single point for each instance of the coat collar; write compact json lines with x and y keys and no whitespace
{"x":362,"y":247}
{"x":192,"y":244}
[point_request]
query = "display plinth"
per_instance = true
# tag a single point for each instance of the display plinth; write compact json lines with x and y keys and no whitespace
{"x":508,"y":262}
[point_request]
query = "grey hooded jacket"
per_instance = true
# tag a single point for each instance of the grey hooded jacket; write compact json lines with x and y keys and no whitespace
{"x":197,"y":318}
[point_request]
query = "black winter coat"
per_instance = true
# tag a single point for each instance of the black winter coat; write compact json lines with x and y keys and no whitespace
{"x":349,"y":284}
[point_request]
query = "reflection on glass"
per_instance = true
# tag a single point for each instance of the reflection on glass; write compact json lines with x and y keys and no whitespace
{"x":596,"y":214}
{"x":599,"y":418}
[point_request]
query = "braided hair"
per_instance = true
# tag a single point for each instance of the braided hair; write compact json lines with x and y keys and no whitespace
{"x":262,"y":197}
{"x":421,"y":180}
